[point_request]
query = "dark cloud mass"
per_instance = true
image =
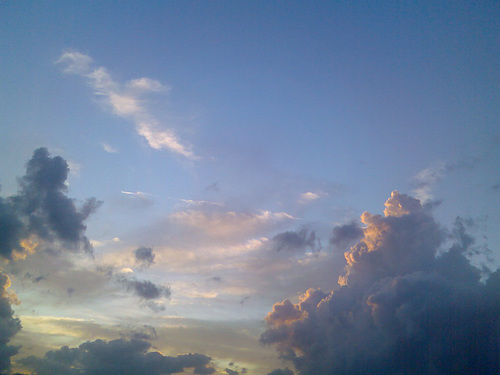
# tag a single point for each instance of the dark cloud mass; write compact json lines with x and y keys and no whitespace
{"x":401,"y":307}
{"x":9,"y":325}
{"x":41,"y":208}
{"x":144,"y":256}
{"x":117,"y":357}
{"x":345,"y":235}
{"x":280,"y":371}
{"x":300,"y":241}
{"x":39,"y":212}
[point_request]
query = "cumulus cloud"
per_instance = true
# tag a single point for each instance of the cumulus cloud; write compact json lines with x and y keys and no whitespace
{"x":144,"y":256}
{"x":41,"y":210}
{"x":401,"y":307}
{"x":345,"y":235}
{"x":126,"y":100}
{"x":116,"y":357}
{"x":9,"y":325}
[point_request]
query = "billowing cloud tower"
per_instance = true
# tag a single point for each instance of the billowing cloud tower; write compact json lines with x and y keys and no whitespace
{"x":403,"y":306}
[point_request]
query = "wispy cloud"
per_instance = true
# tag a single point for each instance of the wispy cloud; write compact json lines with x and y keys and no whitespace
{"x":139,"y":194}
{"x":228,"y":224}
{"x":109,"y":148}
{"x":310,"y":196}
{"x":425,"y":180}
{"x":126,"y":100}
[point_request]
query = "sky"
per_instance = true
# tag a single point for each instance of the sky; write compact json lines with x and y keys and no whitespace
{"x":249,"y":187}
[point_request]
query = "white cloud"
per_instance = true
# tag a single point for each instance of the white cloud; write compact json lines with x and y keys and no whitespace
{"x":108,"y":148}
{"x":229,"y":224}
{"x":310,"y":196}
{"x":163,"y":139}
{"x":139,"y":194}
{"x":145,"y":84}
{"x":125,"y":100}
{"x":426,"y":179}
{"x":75,"y":62}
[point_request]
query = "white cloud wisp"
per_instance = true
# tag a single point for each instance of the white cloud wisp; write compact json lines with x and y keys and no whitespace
{"x":126,"y":101}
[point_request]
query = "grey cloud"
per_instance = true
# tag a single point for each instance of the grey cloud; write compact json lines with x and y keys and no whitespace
{"x":231,"y":372}
{"x":146,"y":332}
{"x":285,"y":371}
{"x":9,"y":325}
{"x":145,"y":288}
{"x":345,"y":235}
{"x":402,"y":307}
{"x":12,"y":229}
{"x":41,"y":208}
{"x":144,"y":256}
{"x":300,"y":241}
{"x":117,"y":357}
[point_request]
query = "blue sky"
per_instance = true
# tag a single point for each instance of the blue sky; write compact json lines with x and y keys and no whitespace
{"x":207,"y":129}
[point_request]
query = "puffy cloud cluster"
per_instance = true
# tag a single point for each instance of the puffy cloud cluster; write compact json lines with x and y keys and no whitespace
{"x":120,"y":357}
{"x":41,"y":210}
{"x":402,"y":307}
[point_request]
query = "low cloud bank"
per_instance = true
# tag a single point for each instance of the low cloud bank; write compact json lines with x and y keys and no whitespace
{"x":117,"y":357}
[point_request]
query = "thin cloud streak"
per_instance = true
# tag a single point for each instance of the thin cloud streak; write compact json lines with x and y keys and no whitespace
{"x":125,"y":101}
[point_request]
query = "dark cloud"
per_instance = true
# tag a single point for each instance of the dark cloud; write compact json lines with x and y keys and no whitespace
{"x":144,"y":256}
{"x":285,"y":371}
{"x":117,"y":357}
{"x":40,"y":211}
{"x":344,"y":235}
{"x":401,"y":308}
{"x":296,"y":242}
{"x":12,"y":229}
{"x":9,"y":325}
{"x":231,"y":372}
{"x":144,"y":332}
{"x":145,"y":288}
{"x":41,"y":208}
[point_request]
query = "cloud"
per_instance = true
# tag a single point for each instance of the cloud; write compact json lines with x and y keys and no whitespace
{"x":285,"y":371}
{"x":109,"y":148}
{"x":116,"y":357}
{"x":41,"y":211}
{"x":403,"y":305}
{"x":144,"y":256}
{"x":126,"y":100}
{"x":145,"y":288}
{"x":310,"y":196}
{"x":229,"y":223}
{"x":426,"y":179}
{"x":139,"y":194}
{"x":296,"y":242}
{"x":9,"y":325}
{"x":345,"y":235}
